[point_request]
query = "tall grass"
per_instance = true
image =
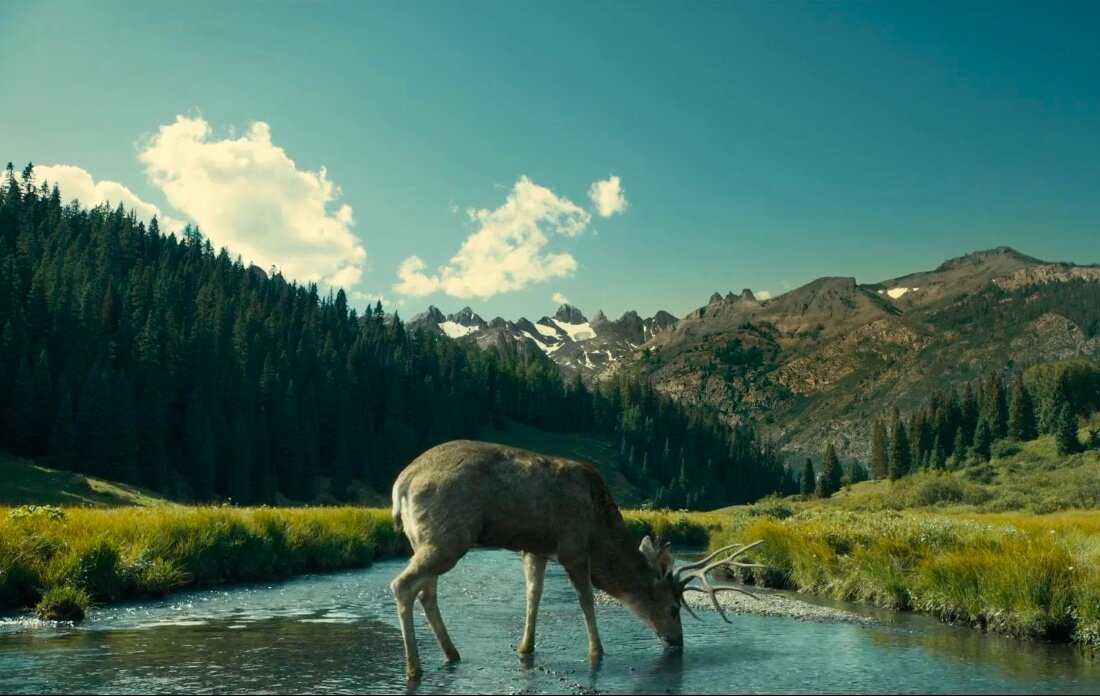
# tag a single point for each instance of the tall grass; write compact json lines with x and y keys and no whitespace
{"x":131,"y":552}
{"x":1030,"y":576}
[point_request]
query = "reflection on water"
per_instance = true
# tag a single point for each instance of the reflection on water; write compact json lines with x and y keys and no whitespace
{"x":338,"y":634}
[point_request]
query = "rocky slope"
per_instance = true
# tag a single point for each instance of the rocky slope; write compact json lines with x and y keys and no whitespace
{"x":819,"y":363}
{"x":594,"y":348}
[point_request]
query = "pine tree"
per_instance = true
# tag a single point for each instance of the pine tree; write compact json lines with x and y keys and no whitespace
{"x":958,"y":453}
{"x":806,"y":486}
{"x":1021,"y":412}
{"x":880,"y":457}
{"x":900,"y":451}
{"x":63,"y":435}
{"x":938,"y":458}
{"x":1065,"y":433}
{"x":983,"y":440}
{"x":831,"y":473}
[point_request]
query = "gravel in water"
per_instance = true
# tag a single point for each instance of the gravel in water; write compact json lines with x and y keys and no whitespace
{"x":765,"y":603}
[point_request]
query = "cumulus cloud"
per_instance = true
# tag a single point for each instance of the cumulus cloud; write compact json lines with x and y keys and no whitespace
{"x":762,"y":294}
{"x":559,"y":298}
{"x":246,"y":194}
{"x":508,"y":249}
{"x":608,"y":197}
{"x":77,"y":184}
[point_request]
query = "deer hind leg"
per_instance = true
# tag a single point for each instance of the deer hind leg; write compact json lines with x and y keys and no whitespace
{"x":534,"y":569}
{"x":429,"y":599}
{"x":580,"y":577}
{"x":421,"y":572}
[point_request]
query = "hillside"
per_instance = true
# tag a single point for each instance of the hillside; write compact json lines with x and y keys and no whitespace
{"x":819,"y":363}
{"x":22,"y":482}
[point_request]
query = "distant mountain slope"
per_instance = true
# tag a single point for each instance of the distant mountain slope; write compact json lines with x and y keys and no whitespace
{"x":595,"y":349}
{"x":820,"y":362}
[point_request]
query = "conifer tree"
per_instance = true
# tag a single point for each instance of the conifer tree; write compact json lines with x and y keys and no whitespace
{"x":1065,"y":433}
{"x":807,"y":484}
{"x":880,"y":457}
{"x":1021,"y":412}
{"x":900,"y":451}
{"x":831,"y":473}
{"x":983,"y":440}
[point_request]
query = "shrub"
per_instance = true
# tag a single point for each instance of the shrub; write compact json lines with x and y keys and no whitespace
{"x":938,"y":489}
{"x":65,"y":603}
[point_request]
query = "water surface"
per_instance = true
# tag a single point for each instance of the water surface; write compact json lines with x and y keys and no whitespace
{"x":338,"y":633}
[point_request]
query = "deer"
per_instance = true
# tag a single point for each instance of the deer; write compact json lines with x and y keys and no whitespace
{"x":465,"y":493}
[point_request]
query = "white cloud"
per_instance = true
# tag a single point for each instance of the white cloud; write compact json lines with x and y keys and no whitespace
{"x":608,"y":197}
{"x":762,"y":294}
{"x":77,"y":184}
{"x":247,"y":195}
{"x":559,"y":298}
{"x":507,"y":252}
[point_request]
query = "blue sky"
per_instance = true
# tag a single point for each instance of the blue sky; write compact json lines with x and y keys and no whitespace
{"x":756,"y":145}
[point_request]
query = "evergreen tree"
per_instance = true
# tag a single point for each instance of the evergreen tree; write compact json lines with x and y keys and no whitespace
{"x":938,"y":458}
{"x":958,"y":452}
{"x":1065,"y":433}
{"x":900,"y":451}
{"x":880,"y":457}
{"x":983,"y":440}
{"x":831,"y":473}
{"x":63,"y":435}
{"x":807,"y":486}
{"x":1021,"y":412}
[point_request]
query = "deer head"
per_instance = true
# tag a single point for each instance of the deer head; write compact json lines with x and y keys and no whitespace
{"x":660,"y":606}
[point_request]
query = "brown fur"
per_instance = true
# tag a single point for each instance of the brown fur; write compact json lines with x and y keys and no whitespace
{"x":465,"y":493}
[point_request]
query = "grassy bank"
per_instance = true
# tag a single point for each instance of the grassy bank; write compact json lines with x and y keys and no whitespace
{"x":1019,"y":574}
{"x":89,"y":556}
{"x":62,"y":561}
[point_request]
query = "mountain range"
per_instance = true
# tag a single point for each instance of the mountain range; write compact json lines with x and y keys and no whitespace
{"x":819,"y":363}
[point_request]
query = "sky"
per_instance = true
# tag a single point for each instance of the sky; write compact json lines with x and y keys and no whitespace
{"x":511,"y":156}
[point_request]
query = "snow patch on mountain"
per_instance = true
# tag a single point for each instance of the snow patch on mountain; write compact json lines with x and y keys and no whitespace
{"x":577,"y":332}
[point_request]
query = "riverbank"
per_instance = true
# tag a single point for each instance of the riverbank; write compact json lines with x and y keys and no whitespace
{"x":1023,"y":575}
{"x":62,"y":561}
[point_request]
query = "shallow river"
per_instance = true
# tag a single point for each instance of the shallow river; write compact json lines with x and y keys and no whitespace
{"x":338,"y":633}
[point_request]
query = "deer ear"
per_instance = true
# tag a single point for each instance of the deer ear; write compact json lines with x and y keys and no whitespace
{"x":648,"y":549}
{"x":665,"y":560}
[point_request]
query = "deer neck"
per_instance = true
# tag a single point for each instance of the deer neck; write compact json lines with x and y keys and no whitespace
{"x":618,"y":567}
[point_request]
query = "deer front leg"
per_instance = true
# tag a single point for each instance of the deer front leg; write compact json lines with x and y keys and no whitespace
{"x":581,"y":579}
{"x":534,"y":569}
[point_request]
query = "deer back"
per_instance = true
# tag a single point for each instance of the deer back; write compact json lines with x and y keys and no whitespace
{"x":463,"y":493}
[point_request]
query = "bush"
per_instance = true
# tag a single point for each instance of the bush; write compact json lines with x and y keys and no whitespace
{"x":1005,"y":448}
{"x":937,"y":490}
{"x":65,"y":603}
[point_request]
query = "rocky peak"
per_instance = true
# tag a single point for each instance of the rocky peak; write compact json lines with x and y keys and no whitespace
{"x":716,"y":297}
{"x":568,"y":314}
{"x":467,"y":317}
{"x":747,"y":296}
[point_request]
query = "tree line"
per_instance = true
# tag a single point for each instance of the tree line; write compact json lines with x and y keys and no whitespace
{"x":138,"y":356}
{"x":956,"y":427}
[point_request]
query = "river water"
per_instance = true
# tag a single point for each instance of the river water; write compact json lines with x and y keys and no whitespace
{"x":338,"y":633}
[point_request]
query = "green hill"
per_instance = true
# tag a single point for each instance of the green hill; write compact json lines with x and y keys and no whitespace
{"x":22,"y":482}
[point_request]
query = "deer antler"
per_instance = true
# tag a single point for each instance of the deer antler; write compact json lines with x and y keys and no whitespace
{"x":699,"y":569}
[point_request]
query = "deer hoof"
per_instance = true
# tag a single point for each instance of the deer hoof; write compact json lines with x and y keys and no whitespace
{"x":452,"y":656}
{"x":526,"y":648}
{"x":413,"y":672}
